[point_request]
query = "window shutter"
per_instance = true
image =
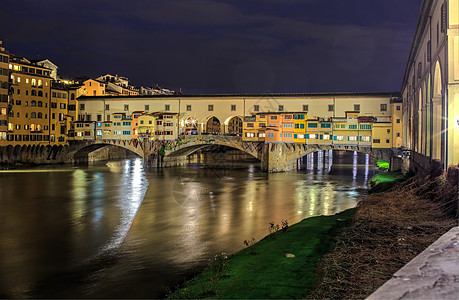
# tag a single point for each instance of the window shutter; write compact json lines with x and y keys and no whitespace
{"x":443,"y":18}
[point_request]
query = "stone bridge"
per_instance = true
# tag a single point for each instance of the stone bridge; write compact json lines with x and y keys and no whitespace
{"x":274,"y":157}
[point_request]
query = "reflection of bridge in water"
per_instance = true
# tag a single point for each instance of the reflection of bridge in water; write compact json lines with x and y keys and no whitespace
{"x":274,"y":157}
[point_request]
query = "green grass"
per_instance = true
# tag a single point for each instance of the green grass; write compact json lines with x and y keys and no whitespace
{"x":263,"y":271}
{"x":386,"y":177}
{"x":383,"y":165}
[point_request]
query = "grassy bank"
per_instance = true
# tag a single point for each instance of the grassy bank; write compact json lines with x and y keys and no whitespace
{"x":262,"y":270}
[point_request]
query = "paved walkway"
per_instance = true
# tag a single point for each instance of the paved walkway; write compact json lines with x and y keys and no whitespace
{"x":433,"y":274}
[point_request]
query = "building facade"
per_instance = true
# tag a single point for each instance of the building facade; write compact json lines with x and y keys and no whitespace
{"x":430,"y":88}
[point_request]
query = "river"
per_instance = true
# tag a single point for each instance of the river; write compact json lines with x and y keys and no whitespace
{"x":116,"y":230}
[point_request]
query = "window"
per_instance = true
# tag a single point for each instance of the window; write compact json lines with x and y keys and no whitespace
{"x":250,"y":134}
{"x":210,"y":107}
{"x":273,"y":117}
{"x":167,"y":107}
{"x":249,"y":124}
{"x":53,"y":116}
{"x":141,"y":122}
{"x":188,"y":107}
{"x":387,"y":141}
{"x":365,"y":138}
{"x":233,"y":107}
{"x":99,"y":118}
{"x":376,"y":141}
{"x":62,"y":106}
{"x":54,"y":105}
{"x":126,"y":107}
{"x":40,"y":94}
{"x":39,"y":115}
{"x":331,"y":107}
{"x":388,"y":130}
{"x":262,"y":125}
{"x":325,"y":125}
{"x":271,"y":134}
{"x":339,"y":138}
{"x":40,"y":104}
{"x":398,"y":134}
{"x":18,"y":126}
{"x":81,"y":106}
{"x":398,"y":121}
{"x":256,"y":107}
{"x":365,"y":126}
{"x":281,"y":108}
{"x":398,"y":107}
{"x":356,"y":107}
{"x":352,"y":126}
{"x":305,"y":107}
{"x":352,"y":138}
{"x":312,"y":125}
{"x":287,"y":134}
{"x":312,"y":136}
{"x":261,"y":134}
{"x":33,"y":115}
{"x":107,"y":106}
{"x":383,"y":107}
{"x":34,"y":93}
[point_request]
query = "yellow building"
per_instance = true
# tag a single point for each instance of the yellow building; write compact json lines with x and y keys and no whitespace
{"x":93,"y":87}
{"x":299,"y":133}
{"x":59,"y":114}
{"x":84,"y":130}
{"x":29,"y":115}
{"x":382,"y":135}
{"x":146,"y":126}
{"x":254,"y":128}
{"x":4,"y":97}
{"x":397,"y":127}
{"x":365,"y":130}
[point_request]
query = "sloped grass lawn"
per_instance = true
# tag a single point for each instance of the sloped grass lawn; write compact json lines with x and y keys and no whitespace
{"x":263,"y":271}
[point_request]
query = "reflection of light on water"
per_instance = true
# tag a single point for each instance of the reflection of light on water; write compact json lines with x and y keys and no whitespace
{"x":354,"y":168}
{"x":367,"y":168}
{"x":79,"y":193}
{"x":134,"y":185}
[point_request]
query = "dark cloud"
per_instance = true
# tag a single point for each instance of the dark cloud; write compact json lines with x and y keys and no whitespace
{"x":210,"y":46}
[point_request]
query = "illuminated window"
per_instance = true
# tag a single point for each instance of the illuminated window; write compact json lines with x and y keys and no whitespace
{"x":326,"y":137}
{"x":365,"y":138}
{"x":339,"y":138}
{"x":34,"y":82}
{"x":250,"y":134}
{"x":352,"y":138}
{"x":313,"y":136}
{"x":261,"y":134}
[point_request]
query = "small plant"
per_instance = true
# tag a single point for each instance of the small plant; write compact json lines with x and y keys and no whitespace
{"x":284,"y":225}
{"x":251,"y":243}
{"x":219,"y":265}
{"x":273,"y":229}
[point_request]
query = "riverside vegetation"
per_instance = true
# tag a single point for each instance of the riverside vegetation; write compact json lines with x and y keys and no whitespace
{"x":348,"y":255}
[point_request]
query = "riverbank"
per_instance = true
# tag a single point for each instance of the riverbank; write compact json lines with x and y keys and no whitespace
{"x":266,"y":269}
{"x":348,"y":255}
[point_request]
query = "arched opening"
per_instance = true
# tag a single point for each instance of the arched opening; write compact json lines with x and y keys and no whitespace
{"x":428,"y":117}
{"x":40,"y":104}
{"x":190,"y":126}
{"x":234,"y":126}
{"x":33,"y":103}
{"x":437,"y":113}
{"x":40,"y":94}
{"x":419,"y":122}
{"x":213,"y":126}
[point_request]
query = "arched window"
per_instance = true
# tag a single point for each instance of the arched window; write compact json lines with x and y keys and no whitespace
{"x":12,"y":79}
{"x":40,"y":83}
{"x":72,"y":96}
{"x":34,"y":82}
{"x":40,"y":104}
{"x":39,"y":115}
{"x":33,"y":103}
{"x":33,"y":115}
{"x":38,"y":127}
{"x":40,"y":94}
{"x":34,"y":92}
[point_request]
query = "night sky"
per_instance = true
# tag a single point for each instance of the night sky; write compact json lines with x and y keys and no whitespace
{"x":220,"y":46}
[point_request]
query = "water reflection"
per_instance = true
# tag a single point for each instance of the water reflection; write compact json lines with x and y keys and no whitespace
{"x":159,"y":225}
